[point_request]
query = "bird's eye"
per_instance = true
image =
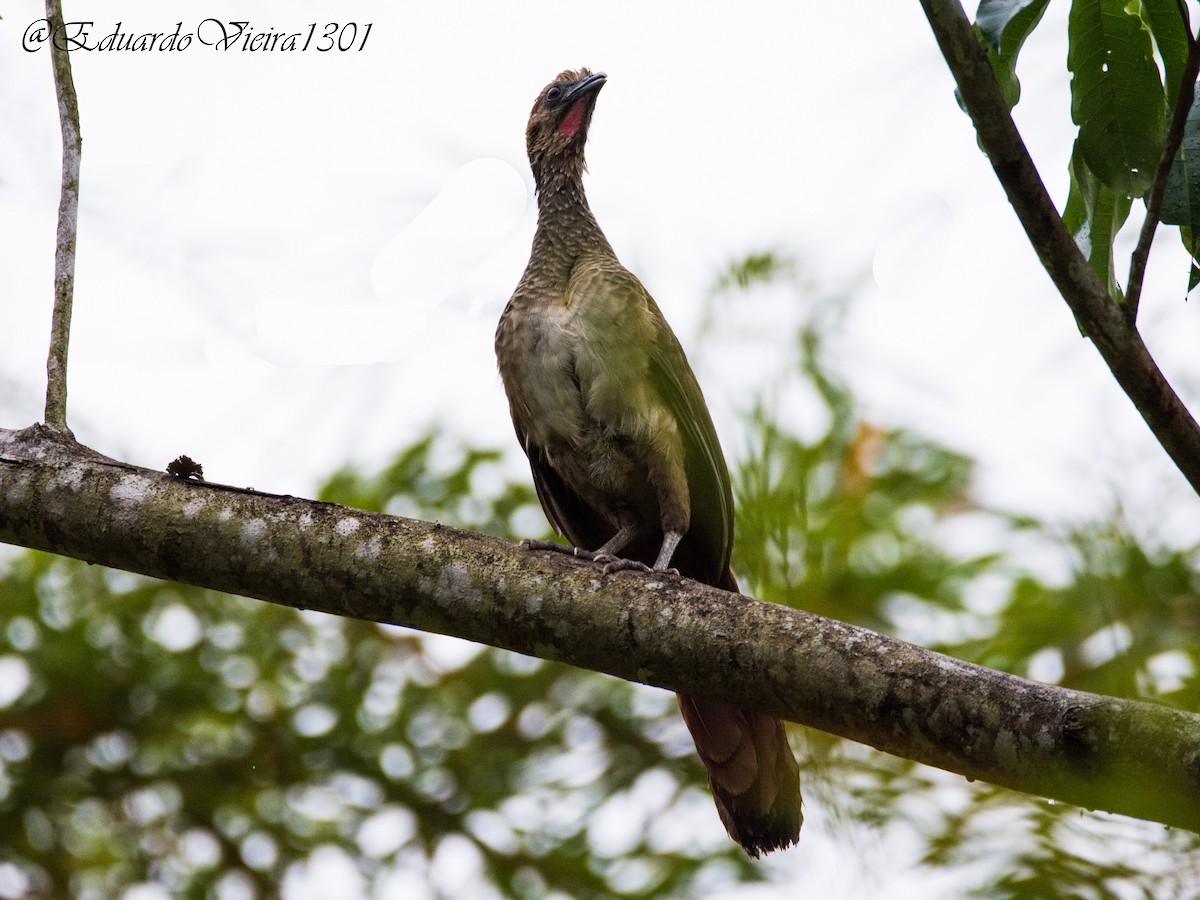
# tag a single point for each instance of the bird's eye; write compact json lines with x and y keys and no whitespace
{"x":554,"y":94}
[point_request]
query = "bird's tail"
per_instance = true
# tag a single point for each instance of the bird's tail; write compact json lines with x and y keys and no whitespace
{"x":751,"y":770}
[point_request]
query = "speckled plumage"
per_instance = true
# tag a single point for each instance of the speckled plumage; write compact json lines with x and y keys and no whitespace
{"x":622,"y":447}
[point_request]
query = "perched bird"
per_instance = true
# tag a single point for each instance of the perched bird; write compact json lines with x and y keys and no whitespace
{"x":623,"y":450}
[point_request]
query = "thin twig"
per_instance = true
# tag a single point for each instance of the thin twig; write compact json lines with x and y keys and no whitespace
{"x":68,"y":223}
{"x":1183,"y":105}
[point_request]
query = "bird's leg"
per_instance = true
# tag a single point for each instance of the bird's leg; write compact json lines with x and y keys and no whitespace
{"x":607,"y":553}
{"x":670,"y":541}
{"x":616,"y":543}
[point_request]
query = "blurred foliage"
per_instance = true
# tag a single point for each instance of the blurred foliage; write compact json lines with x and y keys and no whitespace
{"x":211,"y":746}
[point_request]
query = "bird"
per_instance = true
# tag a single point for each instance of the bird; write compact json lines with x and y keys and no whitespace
{"x":622,"y":448}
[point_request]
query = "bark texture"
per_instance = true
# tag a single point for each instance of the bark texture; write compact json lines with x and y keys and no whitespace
{"x":1097,"y":752}
{"x":68,"y":224}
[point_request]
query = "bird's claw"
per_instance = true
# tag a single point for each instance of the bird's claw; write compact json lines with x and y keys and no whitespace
{"x":617,"y":564}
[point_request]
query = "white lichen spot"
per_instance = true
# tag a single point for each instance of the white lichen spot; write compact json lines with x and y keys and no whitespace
{"x":254,"y":531}
{"x":346,"y":527}
{"x":501,"y":584}
{"x":305,"y":521}
{"x":1007,"y":749}
{"x":533,"y":604}
{"x":953,"y":666}
{"x":226,"y":513}
{"x":369,"y":551}
{"x":17,"y":493}
{"x":192,"y":508}
{"x":72,"y":479}
{"x":427,"y":545}
{"x":454,"y":584}
{"x":131,"y":489}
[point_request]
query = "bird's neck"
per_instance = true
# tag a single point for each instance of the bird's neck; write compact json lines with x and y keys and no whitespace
{"x":566,"y":227}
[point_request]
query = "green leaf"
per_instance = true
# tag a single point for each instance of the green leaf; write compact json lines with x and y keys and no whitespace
{"x":1181,"y":200}
{"x":994,"y":17}
{"x":1117,"y":99}
{"x":1193,"y":248}
{"x":1094,"y":215}
{"x":1004,"y":25}
{"x":1169,"y":23}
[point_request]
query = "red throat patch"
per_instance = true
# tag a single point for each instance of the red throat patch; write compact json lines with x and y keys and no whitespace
{"x":573,"y":119}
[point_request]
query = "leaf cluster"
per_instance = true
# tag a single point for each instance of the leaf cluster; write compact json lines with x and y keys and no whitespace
{"x":1129,"y":65}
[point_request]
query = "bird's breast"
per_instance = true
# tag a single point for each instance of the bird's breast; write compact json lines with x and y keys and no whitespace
{"x":536,"y":347}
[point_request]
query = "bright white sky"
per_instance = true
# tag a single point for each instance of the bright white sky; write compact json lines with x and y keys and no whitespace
{"x":291,"y":260}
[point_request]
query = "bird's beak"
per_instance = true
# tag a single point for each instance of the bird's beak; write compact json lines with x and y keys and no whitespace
{"x":588,"y":85}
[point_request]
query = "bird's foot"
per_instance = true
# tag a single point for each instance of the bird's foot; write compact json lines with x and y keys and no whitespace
{"x":619,"y":564}
{"x":611,"y":562}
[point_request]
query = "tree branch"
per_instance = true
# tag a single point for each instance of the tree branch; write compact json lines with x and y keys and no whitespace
{"x":1183,"y":105}
{"x":1109,"y":328}
{"x":68,"y":224}
{"x":1097,"y":752}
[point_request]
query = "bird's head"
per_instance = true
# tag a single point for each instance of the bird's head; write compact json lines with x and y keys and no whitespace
{"x":559,"y":123}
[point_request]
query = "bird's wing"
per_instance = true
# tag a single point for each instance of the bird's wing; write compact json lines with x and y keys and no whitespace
{"x":644,"y":349}
{"x":704,"y":553}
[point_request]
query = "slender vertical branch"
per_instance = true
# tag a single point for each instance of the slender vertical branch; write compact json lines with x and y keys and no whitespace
{"x":68,"y":223}
{"x":1183,"y":105}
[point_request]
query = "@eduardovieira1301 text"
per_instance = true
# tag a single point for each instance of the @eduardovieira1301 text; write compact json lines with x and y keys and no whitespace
{"x":213,"y":34}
